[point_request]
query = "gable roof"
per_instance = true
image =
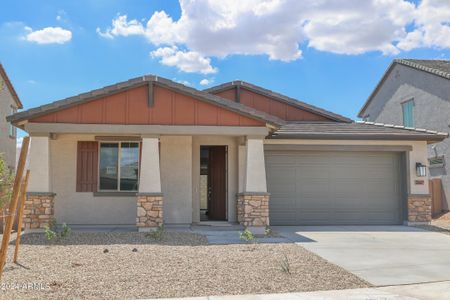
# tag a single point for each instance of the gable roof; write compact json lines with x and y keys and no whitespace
{"x":279,"y":97}
{"x":10,"y":87}
{"x":439,"y":68}
{"x":140,"y":81}
{"x":355,"y":131}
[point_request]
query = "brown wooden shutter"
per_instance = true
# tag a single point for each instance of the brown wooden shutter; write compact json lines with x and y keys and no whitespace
{"x":87,"y":166}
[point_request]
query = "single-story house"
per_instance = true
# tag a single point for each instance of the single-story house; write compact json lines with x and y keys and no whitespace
{"x":149,"y":151}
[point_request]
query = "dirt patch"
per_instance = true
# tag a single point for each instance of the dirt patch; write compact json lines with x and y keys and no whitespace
{"x":130,"y":265}
{"x":439,"y":225}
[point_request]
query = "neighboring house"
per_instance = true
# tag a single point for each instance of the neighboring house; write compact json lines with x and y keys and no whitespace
{"x":9,"y":104}
{"x":416,"y":93}
{"x":149,"y":150}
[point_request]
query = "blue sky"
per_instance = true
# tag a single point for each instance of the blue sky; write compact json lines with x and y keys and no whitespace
{"x":329,"y":54}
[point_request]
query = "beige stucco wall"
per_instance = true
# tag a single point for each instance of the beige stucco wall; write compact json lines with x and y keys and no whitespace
{"x":83,"y":208}
{"x":418,"y":154}
{"x":232,"y":164}
{"x":176,"y":178}
{"x":7,"y":144}
{"x":180,"y":182}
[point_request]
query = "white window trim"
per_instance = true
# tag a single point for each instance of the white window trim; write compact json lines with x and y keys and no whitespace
{"x":119,"y":156}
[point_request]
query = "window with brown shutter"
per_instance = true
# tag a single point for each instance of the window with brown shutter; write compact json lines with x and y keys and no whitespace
{"x":87,"y":166}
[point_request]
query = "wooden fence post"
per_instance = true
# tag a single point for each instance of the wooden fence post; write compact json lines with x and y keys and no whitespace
{"x":23,"y":198}
{"x":13,"y":202}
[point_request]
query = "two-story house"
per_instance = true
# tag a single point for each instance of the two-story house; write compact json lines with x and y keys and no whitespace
{"x":9,"y":104}
{"x":416,"y":93}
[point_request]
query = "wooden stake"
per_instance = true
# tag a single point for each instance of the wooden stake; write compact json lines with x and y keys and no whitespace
{"x":13,"y":202}
{"x":23,"y":198}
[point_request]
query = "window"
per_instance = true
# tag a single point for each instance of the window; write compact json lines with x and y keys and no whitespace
{"x":119,"y":166}
{"x":12,"y":129}
{"x":436,"y":162}
{"x":408,"y":113}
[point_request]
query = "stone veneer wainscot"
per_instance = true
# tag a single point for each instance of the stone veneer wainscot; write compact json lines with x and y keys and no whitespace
{"x":419,"y":208}
{"x":149,"y":210}
{"x":253,"y":209}
{"x":38,"y":210}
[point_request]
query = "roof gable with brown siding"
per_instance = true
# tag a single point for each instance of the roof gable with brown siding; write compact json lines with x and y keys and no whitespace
{"x":131,"y":107}
{"x":271,"y":106}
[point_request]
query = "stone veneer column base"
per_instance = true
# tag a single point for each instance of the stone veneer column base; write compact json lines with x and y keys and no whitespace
{"x":38,"y":210}
{"x":419,"y":209}
{"x":253,"y":209}
{"x":149,"y":211}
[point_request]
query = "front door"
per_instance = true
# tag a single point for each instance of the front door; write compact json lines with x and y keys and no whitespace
{"x":216,"y":182}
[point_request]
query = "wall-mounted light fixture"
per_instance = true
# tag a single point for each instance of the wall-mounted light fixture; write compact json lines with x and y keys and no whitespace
{"x":421,"y":170}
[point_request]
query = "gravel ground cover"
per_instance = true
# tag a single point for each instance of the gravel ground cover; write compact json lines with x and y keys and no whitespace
{"x":131,"y":265}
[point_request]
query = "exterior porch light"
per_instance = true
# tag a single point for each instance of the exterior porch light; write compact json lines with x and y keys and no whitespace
{"x":421,"y":170}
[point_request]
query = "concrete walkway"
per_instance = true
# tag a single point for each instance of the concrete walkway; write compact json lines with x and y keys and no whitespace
{"x":382,"y":255}
{"x":429,"y":291}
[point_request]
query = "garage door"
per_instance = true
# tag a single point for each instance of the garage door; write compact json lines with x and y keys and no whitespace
{"x":330,"y":188}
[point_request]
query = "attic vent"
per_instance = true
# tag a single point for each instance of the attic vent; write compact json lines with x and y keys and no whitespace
{"x":436,"y":162}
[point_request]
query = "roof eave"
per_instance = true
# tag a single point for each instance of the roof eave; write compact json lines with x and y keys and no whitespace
{"x":11,"y":87}
{"x":353,"y":136}
{"x":377,"y":87}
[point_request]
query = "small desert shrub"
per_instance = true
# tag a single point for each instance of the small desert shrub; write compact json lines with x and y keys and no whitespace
{"x":157,"y":234}
{"x":247,"y":236}
{"x":285,"y":265}
{"x":268,"y":232}
{"x":51,"y":231}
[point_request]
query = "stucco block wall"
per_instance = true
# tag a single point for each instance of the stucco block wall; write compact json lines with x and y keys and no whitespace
{"x":83,"y":208}
{"x":232,"y":172}
{"x":7,"y":144}
{"x":176,"y":178}
{"x":431,"y":110}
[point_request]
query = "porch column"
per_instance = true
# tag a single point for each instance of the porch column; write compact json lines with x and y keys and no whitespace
{"x":39,"y":205}
{"x":253,"y":200}
{"x":419,"y":198}
{"x":150,"y":197}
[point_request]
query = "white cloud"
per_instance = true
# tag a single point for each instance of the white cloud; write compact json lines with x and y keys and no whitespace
{"x":48,"y":35}
{"x":432,"y":20}
{"x":31,"y":81}
{"x":186,"y":61}
{"x":122,"y":27}
{"x":185,"y":82}
{"x":206,"y":81}
{"x":278,"y":28}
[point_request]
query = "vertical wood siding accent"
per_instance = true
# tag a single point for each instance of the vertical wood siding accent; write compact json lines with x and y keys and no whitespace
{"x":131,"y":108}
{"x":271,"y":106}
{"x":87,"y":166}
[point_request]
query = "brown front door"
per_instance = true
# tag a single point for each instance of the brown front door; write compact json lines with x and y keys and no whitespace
{"x":217,"y":182}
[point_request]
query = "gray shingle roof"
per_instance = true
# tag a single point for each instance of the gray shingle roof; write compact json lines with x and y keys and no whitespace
{"x":433,"y":66}
{"x":436,"y":67}
{"x":278,"y":96}
{"x":354,"y":131}
{"x":139,"y":81}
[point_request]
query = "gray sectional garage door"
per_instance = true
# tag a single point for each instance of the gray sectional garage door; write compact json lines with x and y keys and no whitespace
{"x":330,"y":188}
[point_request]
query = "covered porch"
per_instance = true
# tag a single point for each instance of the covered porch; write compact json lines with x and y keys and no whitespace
{"x":178,"y":182}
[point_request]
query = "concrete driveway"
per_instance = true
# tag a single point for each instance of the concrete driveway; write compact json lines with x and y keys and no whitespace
{"x":382,"y":255}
